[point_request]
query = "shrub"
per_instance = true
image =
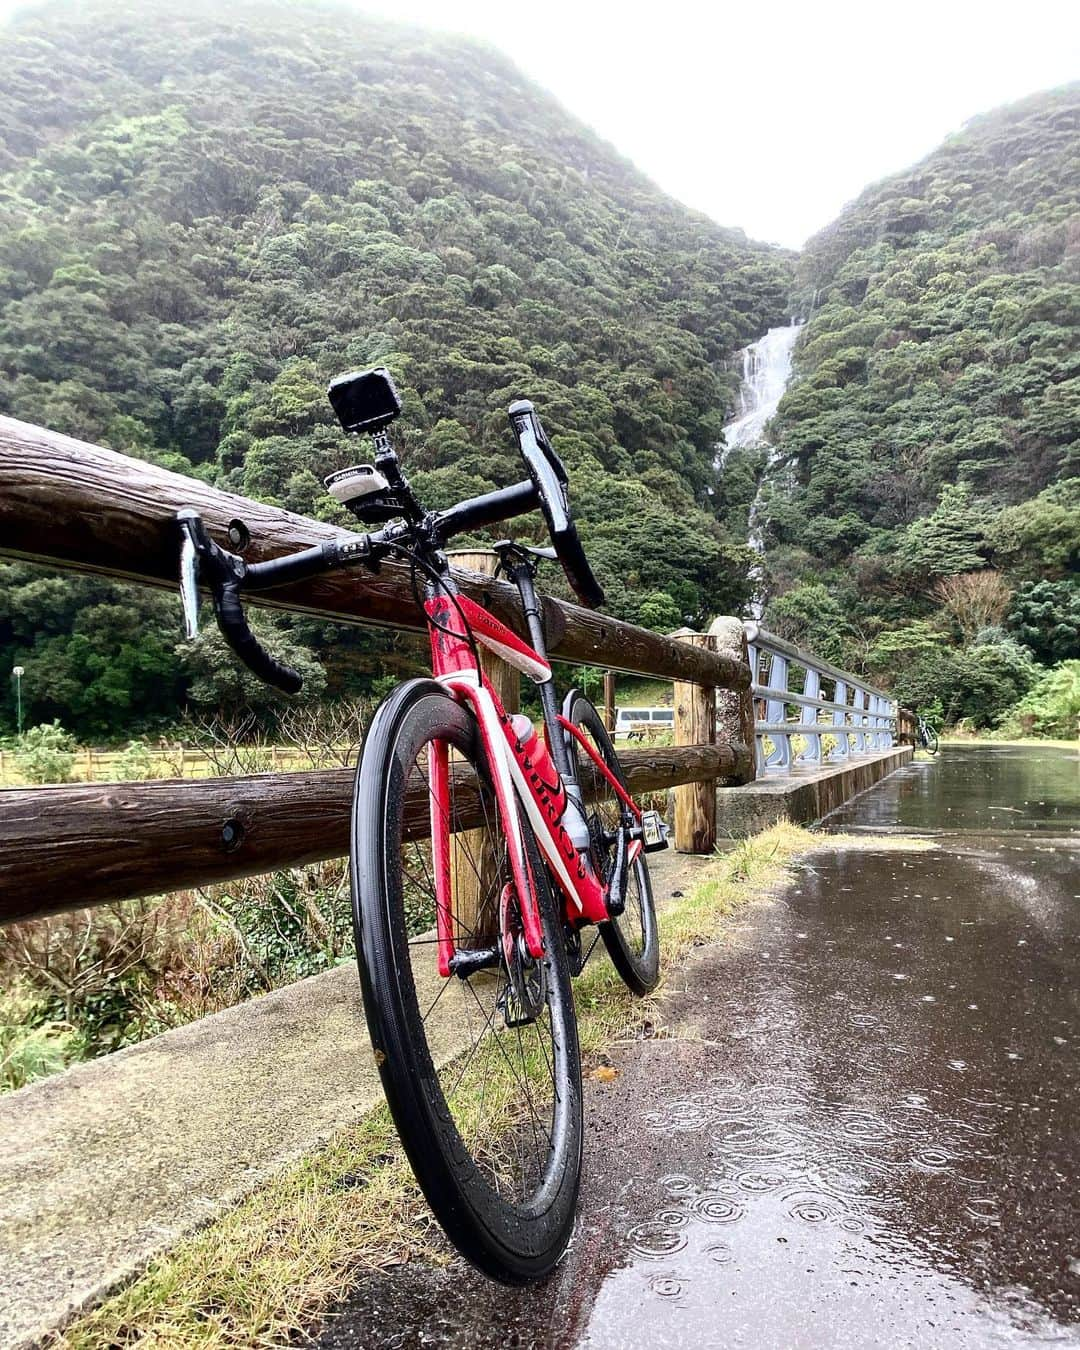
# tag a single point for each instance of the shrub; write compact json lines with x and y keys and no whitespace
{"x":134,"y":762}
{"x":46,"y":754}
{"x":978,"y":684}
{"x":990,"y":678}
{"x":1051,"y":707}
{"x":30,"y":1046}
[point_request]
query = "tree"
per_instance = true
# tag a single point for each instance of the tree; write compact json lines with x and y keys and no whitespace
{"x":951,"y":540}
{"x":811,"y":616}
{"x":221,"y":685}
{"x":1041,"y":536}
{"x":1045,"y":616}
{"x":973,"y":600}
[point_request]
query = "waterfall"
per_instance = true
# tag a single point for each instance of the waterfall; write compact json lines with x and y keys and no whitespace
{"x":766,"y":369}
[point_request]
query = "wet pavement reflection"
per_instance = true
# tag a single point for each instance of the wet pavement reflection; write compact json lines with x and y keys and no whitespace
{"x":856,"y":1126}
{"x":975,"y":788}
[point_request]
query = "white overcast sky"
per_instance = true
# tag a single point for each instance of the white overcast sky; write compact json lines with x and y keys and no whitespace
{"x":771,"y":115}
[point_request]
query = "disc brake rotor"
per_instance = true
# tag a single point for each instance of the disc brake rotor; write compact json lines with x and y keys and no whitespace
{"x":523,"y":999}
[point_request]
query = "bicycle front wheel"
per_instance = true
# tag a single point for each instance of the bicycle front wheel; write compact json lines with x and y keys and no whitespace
{"x":481,"y":1069}
{"x":632,"y":939}
{"x":931,"y":741}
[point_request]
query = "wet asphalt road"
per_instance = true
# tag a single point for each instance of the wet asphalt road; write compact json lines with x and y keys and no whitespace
{"x":858,"y":1125}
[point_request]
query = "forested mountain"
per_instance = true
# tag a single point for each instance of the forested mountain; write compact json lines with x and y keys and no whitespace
{"x":207,"y":211}
{"x":927,"y":523}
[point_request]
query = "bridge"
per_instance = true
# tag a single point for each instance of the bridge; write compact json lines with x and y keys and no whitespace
{"x":114,"y":1161}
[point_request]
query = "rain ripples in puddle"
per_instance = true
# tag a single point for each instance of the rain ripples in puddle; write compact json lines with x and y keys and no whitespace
{"x":816,"y":1161}
{"x":879,"y":1153}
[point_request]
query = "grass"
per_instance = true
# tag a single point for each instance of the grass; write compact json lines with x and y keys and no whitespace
{"x":176,"y":761}
{"x":267,"y":1272}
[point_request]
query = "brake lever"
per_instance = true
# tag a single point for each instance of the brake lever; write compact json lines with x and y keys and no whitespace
{"x":189,"y":583}
{"x":198,"y":552}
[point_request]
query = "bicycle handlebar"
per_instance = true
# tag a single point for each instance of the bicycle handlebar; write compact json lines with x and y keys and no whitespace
{"x":550,"y":480}
{"x":226,"y":574}
{"x":492,"y":507}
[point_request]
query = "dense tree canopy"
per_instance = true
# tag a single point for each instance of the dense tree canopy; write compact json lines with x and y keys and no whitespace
{"x":932,"y":429}
{"x":208,"y":211}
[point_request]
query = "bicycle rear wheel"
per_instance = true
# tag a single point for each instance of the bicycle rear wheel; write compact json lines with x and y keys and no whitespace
{"x":489,"y":1112}
{"x":632,"y":939}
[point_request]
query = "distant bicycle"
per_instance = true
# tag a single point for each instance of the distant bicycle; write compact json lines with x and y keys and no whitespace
{"x":926,"y":737}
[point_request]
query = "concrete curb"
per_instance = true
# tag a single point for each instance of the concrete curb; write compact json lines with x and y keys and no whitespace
{"x":806,"y":795}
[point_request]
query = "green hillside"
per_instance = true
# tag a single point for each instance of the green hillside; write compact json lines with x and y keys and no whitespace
{"x":926,"y":522}
{"x":207,"y":211}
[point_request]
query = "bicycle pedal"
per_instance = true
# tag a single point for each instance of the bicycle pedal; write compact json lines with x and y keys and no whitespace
{"x":654,"y":832}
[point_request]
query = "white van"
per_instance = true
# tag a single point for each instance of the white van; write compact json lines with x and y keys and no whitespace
{"x":637,"y":723}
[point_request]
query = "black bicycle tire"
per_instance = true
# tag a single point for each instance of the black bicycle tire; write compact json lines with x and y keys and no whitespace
{"x":640,"y":973}
{"x":932,"y":745}
{"x":514,"y":1244}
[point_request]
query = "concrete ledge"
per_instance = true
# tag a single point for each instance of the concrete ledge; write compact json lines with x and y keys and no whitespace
{"x":806,"y":795}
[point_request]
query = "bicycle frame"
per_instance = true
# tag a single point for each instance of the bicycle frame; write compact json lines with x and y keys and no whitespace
{"x":550,"y":803}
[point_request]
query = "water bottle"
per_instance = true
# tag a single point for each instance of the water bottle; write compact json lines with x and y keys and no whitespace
{"x":545,"y":780}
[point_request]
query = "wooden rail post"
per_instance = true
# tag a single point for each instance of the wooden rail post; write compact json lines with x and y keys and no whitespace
{"x":466,"y":848}
{"x":695,"y":724}
{"x":609,"y":699}
{"x":735,"y":717}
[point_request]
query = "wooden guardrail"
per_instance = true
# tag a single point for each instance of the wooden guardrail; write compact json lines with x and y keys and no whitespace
{"x":66,"y":503}
{"x":71,"y":504}
{"x":85,"y":844}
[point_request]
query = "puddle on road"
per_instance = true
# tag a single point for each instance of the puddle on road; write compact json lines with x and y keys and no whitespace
{"x":866,"y":1135}
{"x":975,"y":788}
{"x":882,"y":1148}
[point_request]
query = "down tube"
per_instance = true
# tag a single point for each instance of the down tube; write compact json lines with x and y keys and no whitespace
{"x":506,"y":798}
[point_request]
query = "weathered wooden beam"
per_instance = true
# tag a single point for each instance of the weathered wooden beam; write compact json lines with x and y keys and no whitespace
{"x":70,"y":504}
{"x":64,"y":848}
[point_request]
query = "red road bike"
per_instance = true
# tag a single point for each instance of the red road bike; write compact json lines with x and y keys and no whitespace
{"x":480,"y":851}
